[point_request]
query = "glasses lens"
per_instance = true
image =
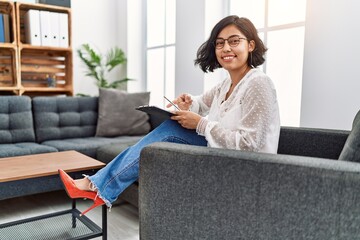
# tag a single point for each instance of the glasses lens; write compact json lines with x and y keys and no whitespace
{"x":219,"y":43}
{"x":234,"y":41}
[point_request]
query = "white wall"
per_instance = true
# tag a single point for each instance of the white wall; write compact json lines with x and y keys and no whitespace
{"x":102,"y":24}
{"x":331,"y":82}
{"x":190,"y":25}
{"x":135,"y":46}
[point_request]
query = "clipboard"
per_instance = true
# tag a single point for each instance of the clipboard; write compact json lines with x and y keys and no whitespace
{"x":156,"y":111}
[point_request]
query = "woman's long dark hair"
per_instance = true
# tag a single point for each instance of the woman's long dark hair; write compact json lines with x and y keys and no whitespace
{"x":206,"y":57}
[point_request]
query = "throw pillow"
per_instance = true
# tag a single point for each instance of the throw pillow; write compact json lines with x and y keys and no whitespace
{"x":351,"y":150}
{"x":118,"y":116}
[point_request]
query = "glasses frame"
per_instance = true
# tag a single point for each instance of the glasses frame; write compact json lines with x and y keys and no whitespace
{"x":227,"y":40}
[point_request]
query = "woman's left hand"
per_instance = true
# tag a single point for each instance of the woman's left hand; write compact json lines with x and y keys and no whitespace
{"x":187,"y":119}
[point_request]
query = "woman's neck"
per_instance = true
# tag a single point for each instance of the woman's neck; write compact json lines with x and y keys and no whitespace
{"x":237,"y":75}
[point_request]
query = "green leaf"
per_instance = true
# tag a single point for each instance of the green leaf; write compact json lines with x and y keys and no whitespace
{"x":98,"y":67}
{"x":115,"y":84}
{"x":115,"y":57}
{"x":92,"y":56}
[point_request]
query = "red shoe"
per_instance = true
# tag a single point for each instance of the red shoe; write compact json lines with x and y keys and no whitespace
{"x":74,"y":192}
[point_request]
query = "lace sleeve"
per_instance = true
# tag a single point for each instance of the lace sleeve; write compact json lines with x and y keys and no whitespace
{"x":202,"y":103}
{"x":250,"y":130}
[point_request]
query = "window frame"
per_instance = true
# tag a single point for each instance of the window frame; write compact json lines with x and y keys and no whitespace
{"x":164,"y":46}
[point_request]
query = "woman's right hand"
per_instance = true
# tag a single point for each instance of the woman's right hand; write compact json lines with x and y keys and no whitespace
{"x":183,"y":101}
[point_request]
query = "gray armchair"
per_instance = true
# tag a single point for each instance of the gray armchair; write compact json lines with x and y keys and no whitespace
{"x":188,"y":192}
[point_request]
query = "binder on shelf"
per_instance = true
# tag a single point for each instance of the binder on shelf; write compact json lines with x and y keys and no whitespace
{"x":6,"y":21}
{"x":32,"y":27}
{"x":2,"y":32}
{"x":45,"y":28}
{"x":64,"y":30}
{"x":55,"y":29}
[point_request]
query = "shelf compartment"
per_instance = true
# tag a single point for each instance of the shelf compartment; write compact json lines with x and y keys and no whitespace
{"x":22,"y":8}
{"x":19,"y":60}
{"x":36,"y":66}
{"x":8,"y":63}
{"x":7,"y":7}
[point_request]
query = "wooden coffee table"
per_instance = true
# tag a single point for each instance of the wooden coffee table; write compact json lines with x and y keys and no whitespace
{"x":60,"y":225}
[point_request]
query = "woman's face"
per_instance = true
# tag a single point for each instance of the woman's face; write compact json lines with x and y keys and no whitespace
{"x":233,"y":58}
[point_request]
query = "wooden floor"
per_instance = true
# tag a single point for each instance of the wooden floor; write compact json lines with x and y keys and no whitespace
{"x":123,"y":220}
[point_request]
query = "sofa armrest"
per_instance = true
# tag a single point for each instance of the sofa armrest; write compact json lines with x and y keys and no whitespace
{"x":189,"y":192}
{"x":312,"y":142}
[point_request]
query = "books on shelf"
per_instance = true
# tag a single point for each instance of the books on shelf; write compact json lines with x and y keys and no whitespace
{"x":2,"y":32}
{"x":6,"y":20}
{"x":4,"y":28}
{"x":32,"y":27}
{"x":54,"y":28}
{"x":63,"y":30}
{"x":46,"y":28}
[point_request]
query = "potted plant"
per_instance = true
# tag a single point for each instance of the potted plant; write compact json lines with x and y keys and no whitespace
{"x":99,"y":66}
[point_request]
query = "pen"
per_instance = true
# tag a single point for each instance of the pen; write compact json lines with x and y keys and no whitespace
{"x":172,"y":103}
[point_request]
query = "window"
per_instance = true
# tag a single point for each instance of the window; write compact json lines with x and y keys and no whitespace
{"x":281,"y":25}
{"x":160,"y":49}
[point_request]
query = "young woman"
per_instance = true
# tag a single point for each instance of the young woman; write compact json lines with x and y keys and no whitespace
{"x":241,"y":112}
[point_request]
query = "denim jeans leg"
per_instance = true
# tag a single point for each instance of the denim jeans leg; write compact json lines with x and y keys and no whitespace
{"x":123,"y":170}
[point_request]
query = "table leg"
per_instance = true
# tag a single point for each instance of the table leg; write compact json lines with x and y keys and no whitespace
{"x":104,"y":221}
{"x":73,"y":217}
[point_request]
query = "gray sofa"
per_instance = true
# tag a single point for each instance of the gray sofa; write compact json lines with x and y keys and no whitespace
{"x":51,"y":124}
{"x":310,"y":190}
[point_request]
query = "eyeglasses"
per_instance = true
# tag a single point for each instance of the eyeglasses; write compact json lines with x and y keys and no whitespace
{"x":233,"y":41}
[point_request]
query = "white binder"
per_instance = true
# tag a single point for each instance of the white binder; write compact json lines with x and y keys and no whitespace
{"x":64,"y":30}
{"x":55,"y":29}
{"x":45,"y":28}
{"x":32,"y":27}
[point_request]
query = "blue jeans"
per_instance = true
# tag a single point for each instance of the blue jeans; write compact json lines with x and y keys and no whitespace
{"x":123,"y":170}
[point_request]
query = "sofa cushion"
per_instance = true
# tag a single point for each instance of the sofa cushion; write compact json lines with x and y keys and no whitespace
{"x":89,"y":145}
{"x":117,"y":113}
{"x":16,"y":120}
{"x":108,"y":152}
{"x":64,"y":117}
{"x":25,"y":148}
{"x":351,"y":150}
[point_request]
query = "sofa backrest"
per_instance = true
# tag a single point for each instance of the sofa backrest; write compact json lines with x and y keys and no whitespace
{"x":64,"y":117}
{"x":16,"y":120}
{"x":351,"y":151}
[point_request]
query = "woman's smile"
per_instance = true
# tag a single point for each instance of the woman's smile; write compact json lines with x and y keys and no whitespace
{"x":228,"y":58}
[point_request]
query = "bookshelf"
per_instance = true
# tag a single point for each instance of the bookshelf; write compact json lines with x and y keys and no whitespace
{"x":28,"y":67}
{"x":8,"y":52}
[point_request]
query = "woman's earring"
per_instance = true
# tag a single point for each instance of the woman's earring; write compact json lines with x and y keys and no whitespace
{"x":251,"y":62}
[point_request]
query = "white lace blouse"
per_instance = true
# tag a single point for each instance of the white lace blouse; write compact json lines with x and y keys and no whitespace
{"x":248,"y":120}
